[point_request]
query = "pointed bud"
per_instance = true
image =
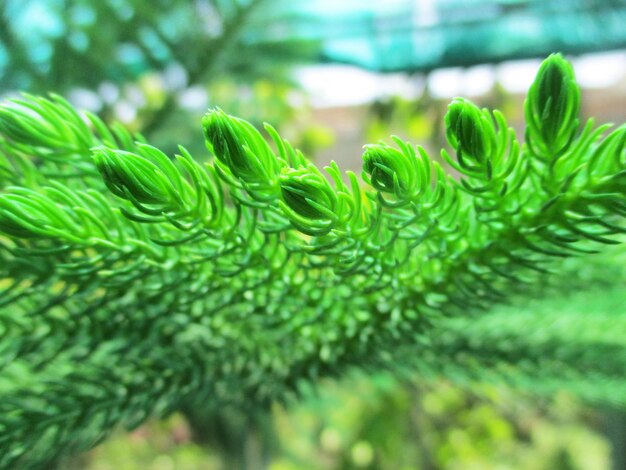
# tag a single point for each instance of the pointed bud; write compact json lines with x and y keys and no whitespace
{"x":387,"y":169}
{"x":309,"y":200}
{"x":18,"y":219}
{"x":26,"y":214}
{"x":470,"y":131}
{"x":242,"y":149}
{"x":132,"y":176}
{"x":552,"y":107}
{"x":308,"y":194}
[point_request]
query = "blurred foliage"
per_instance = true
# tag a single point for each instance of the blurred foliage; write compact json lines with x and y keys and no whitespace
{"x":157,"y":66}
{"x":147,"y":63}
{"x":61,"y":44}
{"x":380,"y":422}
{"x":139,"y":61}
{"x":280,"y":103}
{"x":159,"y":445}
{"x":420,"y":119}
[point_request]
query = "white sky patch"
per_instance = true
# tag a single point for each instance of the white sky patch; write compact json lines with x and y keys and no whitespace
{"x":194,"y":98}
{"x":479,"y":80}
{"x":109,"y":92}
{"x":342,"y":85}
{"x":600,"y":70}
{"x":85,"y":99}
{"x":456,"y":81}
{"x":446,"y":83}
{"x":516,"y":76}
{"x":425,"y":13}
{"x":338,"y":85}
{"x":125,"y":112}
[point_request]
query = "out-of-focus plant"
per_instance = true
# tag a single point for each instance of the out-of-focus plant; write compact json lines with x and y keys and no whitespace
{"x":375,"y":423}
{"x":381,"y":422}
{"x":421,"y":118}
{"x":418,"y":118}
{"x":378,"y":422}
{"x":282,"y":104}
{"x":137,"y":59}
{"x":134,"y":283}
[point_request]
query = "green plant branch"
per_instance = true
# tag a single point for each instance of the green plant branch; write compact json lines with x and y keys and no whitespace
{"x":239,"y":280}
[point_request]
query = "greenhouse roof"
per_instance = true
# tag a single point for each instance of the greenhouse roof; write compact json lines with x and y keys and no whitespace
{"x":417,"y":35}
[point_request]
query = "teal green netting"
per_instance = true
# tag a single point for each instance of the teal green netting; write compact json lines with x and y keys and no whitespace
{"x":46,"y":41}
{"x":394,"y":35}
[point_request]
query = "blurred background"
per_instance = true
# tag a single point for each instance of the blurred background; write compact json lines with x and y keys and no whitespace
{"x":332,"y":76}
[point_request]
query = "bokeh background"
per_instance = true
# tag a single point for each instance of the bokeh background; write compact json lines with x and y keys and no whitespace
{"x":332,"y":76}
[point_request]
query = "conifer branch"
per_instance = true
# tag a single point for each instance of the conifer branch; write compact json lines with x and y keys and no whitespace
{"x":131,"y":280}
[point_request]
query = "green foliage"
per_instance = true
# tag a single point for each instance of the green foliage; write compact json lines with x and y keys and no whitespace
{"x":552,"y":108}
{"x":373,"y":423}
{"x":83,"y":43}
{"x":471,"y":134}
{"x":133,"y":283}
{"x":138,"y":60}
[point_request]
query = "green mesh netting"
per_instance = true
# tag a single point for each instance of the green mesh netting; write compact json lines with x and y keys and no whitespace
{"x":394,"y":35}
